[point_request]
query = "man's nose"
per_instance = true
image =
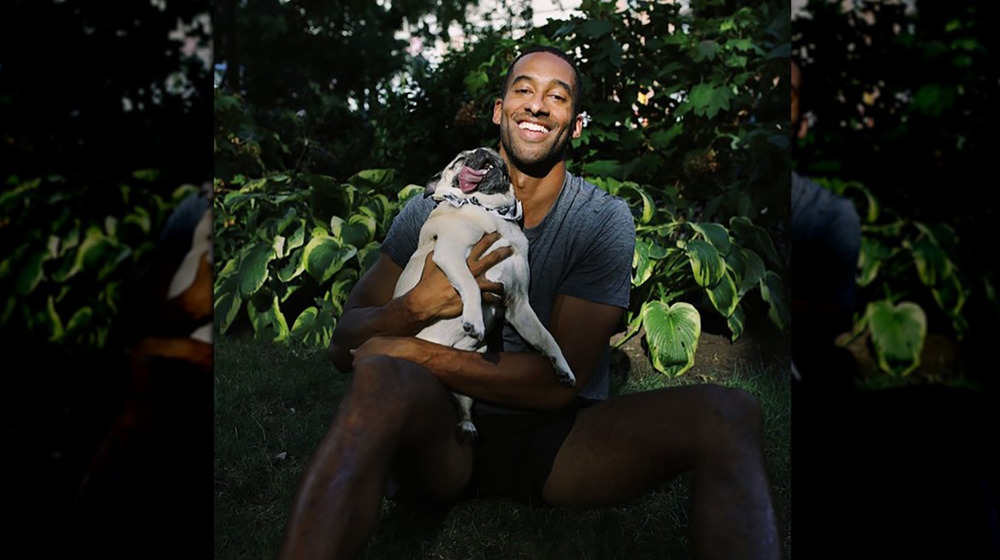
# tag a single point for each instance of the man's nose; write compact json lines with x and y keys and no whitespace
{"x":537,"y":105}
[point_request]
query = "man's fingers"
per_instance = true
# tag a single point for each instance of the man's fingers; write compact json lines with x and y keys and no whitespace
{"x":484,"y":243}
{"x":489,"y":260}
{"x":487,"y":287}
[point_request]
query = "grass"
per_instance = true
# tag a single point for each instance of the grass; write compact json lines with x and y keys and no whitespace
{"x":273,"y":404}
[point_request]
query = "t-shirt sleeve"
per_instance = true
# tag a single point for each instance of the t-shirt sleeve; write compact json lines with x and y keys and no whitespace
{"x":404,"y":233}
{"x":603,"y":274}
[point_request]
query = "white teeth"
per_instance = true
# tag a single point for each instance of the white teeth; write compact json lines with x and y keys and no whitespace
{"x":532,"y":127}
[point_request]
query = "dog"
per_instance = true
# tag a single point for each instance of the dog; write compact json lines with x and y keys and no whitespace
{"x":475,"y":196}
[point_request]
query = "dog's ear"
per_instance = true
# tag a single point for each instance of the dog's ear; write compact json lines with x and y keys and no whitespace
{"x":432,"y":184}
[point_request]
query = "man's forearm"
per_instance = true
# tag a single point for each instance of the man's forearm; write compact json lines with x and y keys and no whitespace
{"x":515,"y":379}
{"x":357,"y":325}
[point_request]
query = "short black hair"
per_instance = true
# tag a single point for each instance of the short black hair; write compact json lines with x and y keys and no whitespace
{"x":577,"y":84}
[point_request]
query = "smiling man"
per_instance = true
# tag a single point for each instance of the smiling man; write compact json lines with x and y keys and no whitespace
{"x":539,"y":441}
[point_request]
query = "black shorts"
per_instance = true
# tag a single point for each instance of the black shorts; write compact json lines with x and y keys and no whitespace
{"x":514,"y":453}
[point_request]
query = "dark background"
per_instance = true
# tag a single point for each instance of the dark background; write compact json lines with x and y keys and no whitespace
{"x":907,"y":469}
{"x":65,"y":68}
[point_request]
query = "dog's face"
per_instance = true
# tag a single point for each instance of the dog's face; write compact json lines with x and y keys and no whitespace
{"x":481,"y":171}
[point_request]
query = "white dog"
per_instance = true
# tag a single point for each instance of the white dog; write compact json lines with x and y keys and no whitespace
{"x":475,"y":197}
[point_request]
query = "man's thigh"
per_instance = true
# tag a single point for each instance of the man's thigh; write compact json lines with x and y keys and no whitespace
{"x":429,"y":461}
{"x":630,"y":444}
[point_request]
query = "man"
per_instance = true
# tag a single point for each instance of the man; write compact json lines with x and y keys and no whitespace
{"x":826,"y":240}
{"x":581,"y":448}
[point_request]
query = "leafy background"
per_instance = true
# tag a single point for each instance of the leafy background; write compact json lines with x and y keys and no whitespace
{"x":686,"y":121}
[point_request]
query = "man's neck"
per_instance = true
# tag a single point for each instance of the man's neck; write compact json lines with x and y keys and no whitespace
{"x":537,"y":194}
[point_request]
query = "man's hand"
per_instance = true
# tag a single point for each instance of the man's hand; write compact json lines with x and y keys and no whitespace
{"x":434,"y":297}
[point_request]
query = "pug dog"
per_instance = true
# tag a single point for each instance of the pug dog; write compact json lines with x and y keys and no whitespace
{"x":474,"y":197}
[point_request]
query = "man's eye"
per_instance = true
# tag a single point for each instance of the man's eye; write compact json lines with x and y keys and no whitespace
{"x":522,"y":91}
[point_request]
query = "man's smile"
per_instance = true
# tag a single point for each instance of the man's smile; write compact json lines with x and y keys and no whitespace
{"x":532,"y":131}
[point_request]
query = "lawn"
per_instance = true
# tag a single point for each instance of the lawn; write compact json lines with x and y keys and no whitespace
{"x":274,"y":402}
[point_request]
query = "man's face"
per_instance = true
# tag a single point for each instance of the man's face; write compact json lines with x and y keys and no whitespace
{"x":536,"y":113}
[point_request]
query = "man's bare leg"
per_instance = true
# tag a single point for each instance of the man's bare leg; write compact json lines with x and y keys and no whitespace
{"x":629,"y":445}
{"x":395,"y":414}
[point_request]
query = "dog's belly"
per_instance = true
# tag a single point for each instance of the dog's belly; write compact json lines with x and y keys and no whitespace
{"x":449,"y":332}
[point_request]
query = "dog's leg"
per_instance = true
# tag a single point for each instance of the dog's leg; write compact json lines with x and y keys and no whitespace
{"x":527,"y":324}
{"x":450,"y":258}
{"x":466,"y":429}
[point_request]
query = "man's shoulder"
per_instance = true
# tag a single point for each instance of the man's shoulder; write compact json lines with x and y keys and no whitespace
{"x":589,"y":196}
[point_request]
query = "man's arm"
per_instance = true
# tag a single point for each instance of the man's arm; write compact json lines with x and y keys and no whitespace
{"x":582,"y":328}
{"x":371,"y":310}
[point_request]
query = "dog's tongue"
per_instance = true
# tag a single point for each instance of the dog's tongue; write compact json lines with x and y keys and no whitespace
{"x":469,"y":178}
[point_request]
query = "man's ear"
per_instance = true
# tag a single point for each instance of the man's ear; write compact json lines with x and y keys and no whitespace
{"x":432,"y":184}
{"x":803,"y":127}
{"x":578,"y":126}
{"x":497,"y":111}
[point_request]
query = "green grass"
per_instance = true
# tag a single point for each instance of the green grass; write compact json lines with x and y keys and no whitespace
{"x":273,"y":404}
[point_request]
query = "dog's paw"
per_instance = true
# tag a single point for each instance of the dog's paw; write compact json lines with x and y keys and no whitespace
{"x":466,"y":430}
{"x":475,"y":330}
{"x":564,"y":374}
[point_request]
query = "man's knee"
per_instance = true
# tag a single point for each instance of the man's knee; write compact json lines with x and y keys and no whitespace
{"x":734,"y":414}
{"x":391,"y":386}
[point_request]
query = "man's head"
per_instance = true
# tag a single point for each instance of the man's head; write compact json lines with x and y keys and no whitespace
{"x":538,"y":112}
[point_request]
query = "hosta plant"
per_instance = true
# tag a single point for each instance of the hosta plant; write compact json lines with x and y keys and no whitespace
{"x":904,"y":265}
{"x":70,"y":254}
{"x":291,"y":246}
{"x":680,"y":265}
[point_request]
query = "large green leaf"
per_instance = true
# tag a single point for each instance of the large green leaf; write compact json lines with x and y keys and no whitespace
{"x":642,"y":265}
{"x":672,"y":334}
{"x":897,"y":334}
{"x":748,"y":267}
{"x":325,"y":255}
{"x":340,"y":288}
{"x":706,"y":50}
{"x":372,"y":178}
{"x":268,"y":321}
{"x":736,"y":322}
{"x":753,"y":236}
{"x":707,"y":99}
{"x":723,"y":295}
{"x":772,"y":290}
{"x":253,"y":267}
{"x":297,"y":238}
{"x":54,"y":321}
{"x":80,"y":320}
{"x":707,"y":264}
{"x":933,"y":265}
{"x":295,"y":266}
{"x":357,"y":230}
{"x":715,"y":234}
{"x":646,"y":202}
{"x":367,"y":256}
{"x":227,"y":305}
{"x":313,"y":327}
{"x":950,"y":295}
{"x":30,"y":273}
{"x":870,"y":258}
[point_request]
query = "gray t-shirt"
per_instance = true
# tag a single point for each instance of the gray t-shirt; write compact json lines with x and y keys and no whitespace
{"x":826,"y":240}
{"x":582,"y":248}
